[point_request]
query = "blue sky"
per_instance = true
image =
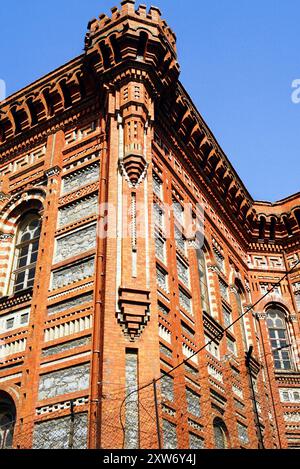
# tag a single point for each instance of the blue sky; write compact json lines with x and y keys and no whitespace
{"x":238,"y":60}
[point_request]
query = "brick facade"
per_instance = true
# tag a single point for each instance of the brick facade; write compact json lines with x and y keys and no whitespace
{"x":111,"y":155}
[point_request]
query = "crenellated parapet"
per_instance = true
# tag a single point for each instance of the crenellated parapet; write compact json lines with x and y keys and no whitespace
{"x":136,"y":37}
{"x":42,"y":102}
{"x":278,"y":222}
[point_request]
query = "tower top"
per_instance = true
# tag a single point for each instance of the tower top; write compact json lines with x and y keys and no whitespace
{"x":128,"y":12}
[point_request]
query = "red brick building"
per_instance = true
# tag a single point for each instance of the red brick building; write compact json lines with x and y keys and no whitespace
{"x":108,"y":172}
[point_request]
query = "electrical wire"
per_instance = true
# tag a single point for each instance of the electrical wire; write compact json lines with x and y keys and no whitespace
{"x":219,"y":336}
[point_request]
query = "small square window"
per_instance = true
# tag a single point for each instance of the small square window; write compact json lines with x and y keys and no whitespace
{"x":231,"y":345}
{"x":24,"y":318}
{"x":10,"y":323}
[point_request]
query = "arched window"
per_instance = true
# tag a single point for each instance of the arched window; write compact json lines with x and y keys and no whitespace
{"x":220,"y":434}
{"x":262,"y":226}
{"x":279,"y":338}
{"x":240,"y":296}
{"x":273,"y":229}
{"x":7,"y":421}
{"x":26,"y":252}
{"x":202,"y":269}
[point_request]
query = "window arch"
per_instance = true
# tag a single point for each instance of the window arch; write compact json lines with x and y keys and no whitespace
{"x":26,"y":252}
{"x":220,"y":434}
{"x":262,"y":227}
{"x":202,"y":269}
{"x":276,"y":322}
{"x":7,"y":421}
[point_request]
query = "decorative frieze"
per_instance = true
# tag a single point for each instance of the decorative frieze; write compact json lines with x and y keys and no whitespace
{"x":216,"y":374}
{"x":64,"y":405}
{"x":168,"y":410}
{"x":82,"y":192}
{"x":9,"y":302}
{"x":189,"y":353}
{"x":28,"y":160}
{"x":292,"y":417}
{"x":164,"y":333}
{"x":11,"y":348}
{"x":68,"y":328}
{"x":195,"y":425}
{"x":80,"y":178}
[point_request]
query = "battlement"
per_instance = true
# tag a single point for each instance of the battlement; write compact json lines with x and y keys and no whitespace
{"x":151,"y":17}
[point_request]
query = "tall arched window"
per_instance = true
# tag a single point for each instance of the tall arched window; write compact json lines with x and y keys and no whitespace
{"x":7,"y":421}
{"x":26,"y":252}
{"x":279,"y":338}
{"x":202,"y":269}
{"x":220,"y":434}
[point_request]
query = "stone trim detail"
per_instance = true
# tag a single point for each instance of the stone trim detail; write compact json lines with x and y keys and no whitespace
{"x":54,"y":171}
{"x":6,"y":236}
{"x":8,"y":302}
{"x":134,"y":169}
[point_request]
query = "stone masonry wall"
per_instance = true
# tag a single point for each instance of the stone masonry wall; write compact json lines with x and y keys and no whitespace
{"x":64,"y":381}
{"x":54,"y":434}
{"x":73,"y":273}
{"x":75,"y":243}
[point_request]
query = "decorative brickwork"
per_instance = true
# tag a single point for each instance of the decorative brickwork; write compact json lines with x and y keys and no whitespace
{"x":111,"y":153}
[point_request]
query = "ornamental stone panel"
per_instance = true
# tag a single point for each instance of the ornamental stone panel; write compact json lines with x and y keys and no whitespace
{"x":80,"y":178}
{"x":73,"y":273}
{"x":67,"y":380}
{"x":79,"y":210}
{"x":75,"y":243}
